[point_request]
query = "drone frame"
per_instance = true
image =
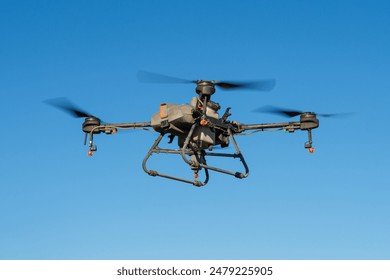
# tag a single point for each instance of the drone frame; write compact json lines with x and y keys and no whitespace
{"x":192,"y":122}
{"x":308,"y":121}
{"x":199,"y":161}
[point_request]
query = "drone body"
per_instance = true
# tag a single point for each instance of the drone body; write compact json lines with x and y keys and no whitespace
{"x":178,"y":119}
{"x":197,"y":128}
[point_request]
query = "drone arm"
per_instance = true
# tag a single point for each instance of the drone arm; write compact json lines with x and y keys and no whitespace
{"x":110,"y":128}
{"x":306,"y":123}
{"x":287,"y":126}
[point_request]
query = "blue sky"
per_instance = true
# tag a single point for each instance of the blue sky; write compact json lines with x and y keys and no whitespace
{"x":326,"y":56}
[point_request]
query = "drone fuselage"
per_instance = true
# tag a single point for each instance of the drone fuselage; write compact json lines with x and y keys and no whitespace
{"x":177,"y":120}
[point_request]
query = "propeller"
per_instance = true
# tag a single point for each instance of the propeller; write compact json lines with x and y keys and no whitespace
{"x":64,"y":104}
{"x":89,"y":124}
{"x":150,"y":77}
{"x":262,"y":85}
{"x":289,"y":113}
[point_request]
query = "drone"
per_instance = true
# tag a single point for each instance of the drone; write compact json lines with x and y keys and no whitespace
{"x":198,"y":126}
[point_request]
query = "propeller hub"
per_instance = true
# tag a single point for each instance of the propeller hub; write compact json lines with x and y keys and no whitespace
{"x":308,"y":114}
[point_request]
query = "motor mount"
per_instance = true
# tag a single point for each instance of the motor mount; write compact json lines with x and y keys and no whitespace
{"x":90,"y":123}
{"x":309,"y":121}
{"x":205,"y":87}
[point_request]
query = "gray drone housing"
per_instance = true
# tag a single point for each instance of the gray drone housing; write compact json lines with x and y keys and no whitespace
{"x":174,"y":119}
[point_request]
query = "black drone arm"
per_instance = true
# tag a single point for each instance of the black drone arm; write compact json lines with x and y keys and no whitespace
{"x":287,"y":126}
{"x":308,"y":121}
{"x":112,"y":127}
{"x":91,"y":127}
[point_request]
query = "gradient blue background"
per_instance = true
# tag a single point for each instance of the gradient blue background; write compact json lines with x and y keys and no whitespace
{"x":327,"y":57}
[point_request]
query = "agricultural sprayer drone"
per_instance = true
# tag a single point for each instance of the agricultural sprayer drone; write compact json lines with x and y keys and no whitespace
{"x":197,"y":127}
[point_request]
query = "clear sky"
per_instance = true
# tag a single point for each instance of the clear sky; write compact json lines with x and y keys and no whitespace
{"x":326,"y":56}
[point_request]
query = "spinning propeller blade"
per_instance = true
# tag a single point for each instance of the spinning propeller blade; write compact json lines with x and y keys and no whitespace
{"x":289,"y":113}
{"x":262,"y":85}
{"x":64,"y":104}
{"x":150,"y":77}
